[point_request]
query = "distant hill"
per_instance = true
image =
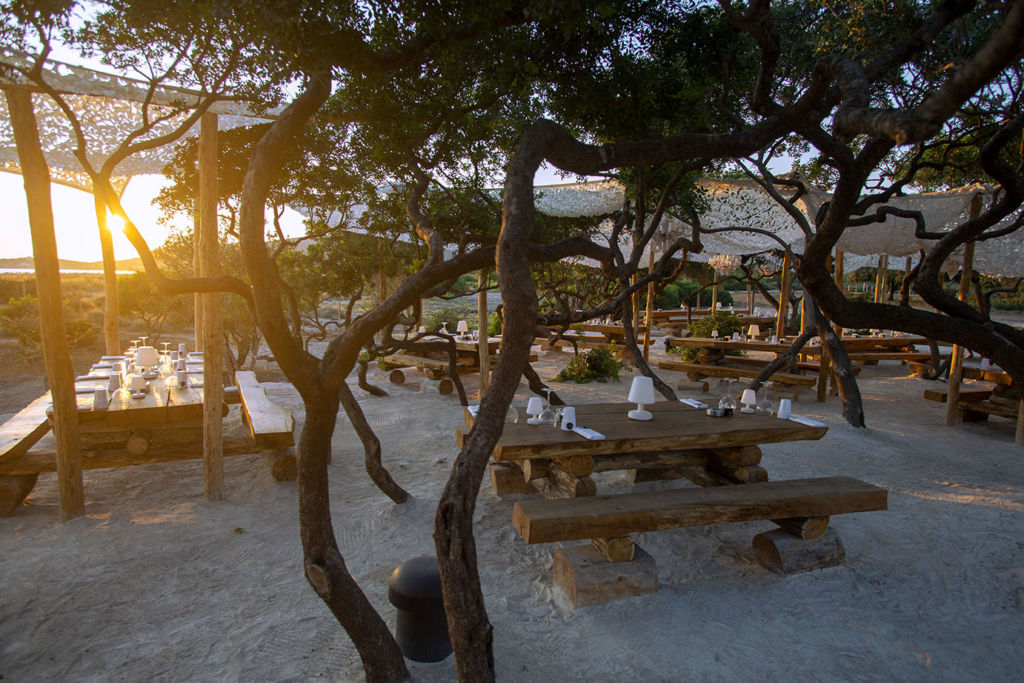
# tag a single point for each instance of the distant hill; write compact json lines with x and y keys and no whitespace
{"x":66,"y":264}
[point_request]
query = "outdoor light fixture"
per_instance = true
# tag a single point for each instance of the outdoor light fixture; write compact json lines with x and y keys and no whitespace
{"x":754,"y":331}
{"x":534,"y":407}
{"x":748,"y":399}
{"x":462,"y":327}
{"x":641,"y":392}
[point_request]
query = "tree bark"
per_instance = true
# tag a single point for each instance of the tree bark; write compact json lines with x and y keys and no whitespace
{"x":371,"y":447}
{"x":111,"y":334}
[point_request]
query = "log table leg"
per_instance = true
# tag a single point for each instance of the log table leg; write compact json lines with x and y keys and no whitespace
{"x":506,"y":478}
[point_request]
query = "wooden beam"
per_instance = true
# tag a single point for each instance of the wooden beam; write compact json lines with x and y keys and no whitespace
{"x":714,"y":292}
{"x":545,"y":521}
{"x":839,"y":278}
{"x":53,"y":332}
{"x":787,"y":281}
{"x":956,"y":368}
{"x":213,"y":338}
{"x":481,"y":314}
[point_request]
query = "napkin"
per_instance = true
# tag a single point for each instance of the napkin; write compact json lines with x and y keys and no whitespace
{"x":590,"y":434}
{"x":693,"y":403}
{"x":807,"y":421}
{"x":473,"y":410}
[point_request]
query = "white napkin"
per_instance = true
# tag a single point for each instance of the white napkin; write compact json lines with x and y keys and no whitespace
{"x":693,"y":403}
{"x":473,"y":410}
{"x":807,"y":421}
{"x":590,"y":434}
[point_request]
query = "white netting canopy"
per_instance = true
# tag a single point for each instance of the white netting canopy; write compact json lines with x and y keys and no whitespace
{"x":110,"y":108}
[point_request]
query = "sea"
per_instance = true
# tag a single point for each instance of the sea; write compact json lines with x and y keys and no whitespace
{"x":4,"y":271}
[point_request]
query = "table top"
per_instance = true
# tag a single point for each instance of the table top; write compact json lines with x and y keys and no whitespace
{"x":850,"y":342}
{"x":676,"y":426}
{"x":464,"y":344}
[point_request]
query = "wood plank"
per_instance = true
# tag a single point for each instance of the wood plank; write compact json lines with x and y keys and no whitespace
{"x":544,"y":521}
{"x":940,"y":394}
{"x":269,"y":424}
{"x":24,"y":428}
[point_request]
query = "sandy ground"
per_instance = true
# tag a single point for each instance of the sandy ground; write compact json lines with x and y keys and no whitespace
{"x":155,"y":583}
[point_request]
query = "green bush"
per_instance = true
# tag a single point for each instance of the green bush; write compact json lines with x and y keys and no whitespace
{"x":726,"y":323}
{"x":494,"y":329}
{"x":685,"y":289}
{"x":596,"y":364}
{"x":450,"y":314}
{"x":20,"y":318}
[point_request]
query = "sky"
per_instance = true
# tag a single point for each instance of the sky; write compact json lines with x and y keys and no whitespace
{"x":75,"y":218}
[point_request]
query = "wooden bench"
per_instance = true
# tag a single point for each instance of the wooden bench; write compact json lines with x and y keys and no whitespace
{"x":17,"y":435}
{"x":613,"y":567}
{"x":941,"y":394}
{"x":270,"y":425}
{"x":700,"y":370}
{"x":540,"y":520}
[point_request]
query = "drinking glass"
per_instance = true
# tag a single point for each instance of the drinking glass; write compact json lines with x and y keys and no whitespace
{"x":547,"y":416}
{"x":728,"y":401}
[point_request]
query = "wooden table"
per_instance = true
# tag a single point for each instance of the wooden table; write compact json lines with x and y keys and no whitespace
{"x":720,"y":453}
{"x":679,"y":436}
{"x":164,"y":425}
{"x":434,"y":363}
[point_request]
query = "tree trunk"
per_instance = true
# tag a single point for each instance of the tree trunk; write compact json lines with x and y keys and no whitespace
{"x":53,"y":333}
{"x":111,"y":334}
{"x":324,"y":566}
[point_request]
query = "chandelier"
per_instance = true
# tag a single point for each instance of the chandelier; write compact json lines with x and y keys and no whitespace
{"x":724,"y":263}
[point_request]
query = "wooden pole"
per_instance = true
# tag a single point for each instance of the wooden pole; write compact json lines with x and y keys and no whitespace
{"x":213,"y":339}
{"x":883,"y":296}
{"x":878,"y":279}
{"x":956,"y":368}
{"x":650,"y":303}
{"x":111,"y":334}
{"x":750,"y":300}
{"x":197,"y":299}
{"x":787,"y":280}
{"x":804,"y":314}
{"x":53,"y":332}
{"x":482,"y":346}
{"x":714,"y":292}
{"x":839,"y":277}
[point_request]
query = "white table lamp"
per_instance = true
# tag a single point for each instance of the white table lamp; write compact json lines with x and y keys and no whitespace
{"x":422,"y":329}
{"x":147,"y":356}
{"x":641,"y":392}
{"x":749,"y":400}
{"x":714,"y":334}
{"x":462,"y":327}
{"x":754,"y":331}
{"x":534,"y":407}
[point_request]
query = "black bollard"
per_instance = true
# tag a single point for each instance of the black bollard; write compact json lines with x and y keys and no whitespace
{"x":422,"y":628}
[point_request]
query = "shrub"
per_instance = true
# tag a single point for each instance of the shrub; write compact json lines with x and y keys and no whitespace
{"x":726,"y":323}
{"x":685,"y":289}
{"x":494,"y":329}
{"x":596,"y":364}
{"x":450,"y":314}
{"x":20,"y":318}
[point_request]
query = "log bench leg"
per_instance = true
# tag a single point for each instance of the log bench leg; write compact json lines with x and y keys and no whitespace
{"x":587,"y":578}
{"x":14,"y":489}
{"x":507,"y":477}
{"x":444,"y":386}
{"x":783,"y":553}
{"x":283,"y":466}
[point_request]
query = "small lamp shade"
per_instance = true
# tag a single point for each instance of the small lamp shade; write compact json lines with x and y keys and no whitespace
{"x":748,"y":399}
{"x":422,"y":329}
{"x":714,"y":334}
{"x":754,"y":331}
{"x":534,"y":407}
{"x":146,"y":356}
{"x":986,"y":364}
{"x":462,"y":327}
{"x":641,"y":392}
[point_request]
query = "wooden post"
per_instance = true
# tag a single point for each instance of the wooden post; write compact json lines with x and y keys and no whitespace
{"x":878,"y":279}
{"x":1019,"y":437}
{"x":780,"y":321}
{"x":213,"y":340}
{"x":839,"y":275}
{"x":53,"y":332}
{"x":714,"y":292}
{"x":750,"y":300}
{"x":197,"y":299}
{"x":883,"y":296}
{"x":804,"y":314}
{"x":111,"y":340}
{"x":482,"y":346}
{"x":956,"y":368}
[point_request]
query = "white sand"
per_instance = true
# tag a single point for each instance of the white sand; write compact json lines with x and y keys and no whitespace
{"x":154,"y":583}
